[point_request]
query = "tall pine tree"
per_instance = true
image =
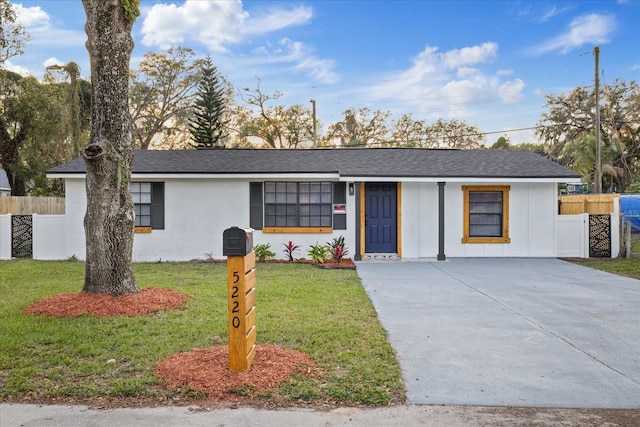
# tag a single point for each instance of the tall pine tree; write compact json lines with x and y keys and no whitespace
{"x":207,"y":126}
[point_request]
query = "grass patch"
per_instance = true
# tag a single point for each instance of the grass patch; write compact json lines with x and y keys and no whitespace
{"x":629,"y":267}
{"x":325,"y":313}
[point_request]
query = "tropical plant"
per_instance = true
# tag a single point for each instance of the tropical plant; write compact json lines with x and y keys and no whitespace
{"x":264,"y":252}
{"x":318,"y":253}
{"x":289,"y":249}
{"x":337,"y":248}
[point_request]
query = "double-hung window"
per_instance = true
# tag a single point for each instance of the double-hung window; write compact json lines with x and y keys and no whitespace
{"x":486,"y":214}
{"x":148,"y":199}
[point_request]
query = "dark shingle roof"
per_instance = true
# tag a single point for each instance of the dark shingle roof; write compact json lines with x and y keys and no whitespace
{"x":371,"y":162}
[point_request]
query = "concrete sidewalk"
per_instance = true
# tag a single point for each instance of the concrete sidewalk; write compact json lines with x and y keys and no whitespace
{"x":510,"y":332}
{"x":406,"y":416}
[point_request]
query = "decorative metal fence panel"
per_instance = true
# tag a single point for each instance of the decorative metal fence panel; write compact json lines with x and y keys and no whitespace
{"x":599,"y":236}
{"x":21,"y":236}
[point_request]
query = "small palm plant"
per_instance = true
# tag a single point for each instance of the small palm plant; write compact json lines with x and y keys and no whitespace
{"x":289,"y":249}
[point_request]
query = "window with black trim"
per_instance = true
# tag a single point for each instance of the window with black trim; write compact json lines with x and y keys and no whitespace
{"x":303,"y":207}
{"x":297,"y":204}
{"x":486,"y":214}
{"x":148,"y":199}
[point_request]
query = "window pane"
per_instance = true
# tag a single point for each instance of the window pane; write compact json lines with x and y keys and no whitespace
{"x":325,"y":210}
{"x":305,"y":210}
{"x":145,"y":210}
{"x":269,"y":187}
{"x":326,"y":221}
{"x":325,"y":198}
{"x":292,"y":198}
{"x":304,"y":198}
{"x":269,"y":209}
{"x":281,"y":197}
{"x":326,"y":187}
{"x":485,"y":230}
{"x":270,"y":197}
{"x":145,"y":198}
{"x":314,"y":198}
{"x":292,"y":187}
{"x":281,"y":221}
{"x":292,"y":210}
{"x":270,"y":220}
{"x":281,"y":187}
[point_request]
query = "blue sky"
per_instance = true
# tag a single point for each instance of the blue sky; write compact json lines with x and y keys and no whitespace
{"x":489,"y":63}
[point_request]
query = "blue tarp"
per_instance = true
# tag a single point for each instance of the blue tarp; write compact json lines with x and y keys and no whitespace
{"x":630,"y":208}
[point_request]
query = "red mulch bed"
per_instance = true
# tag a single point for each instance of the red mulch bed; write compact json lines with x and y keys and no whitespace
{"x":206,"y":370}
{"x":148,"y":300}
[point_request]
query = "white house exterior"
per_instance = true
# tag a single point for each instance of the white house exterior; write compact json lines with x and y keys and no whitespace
{"x":5,"y":188}
{"x":407,"y":203}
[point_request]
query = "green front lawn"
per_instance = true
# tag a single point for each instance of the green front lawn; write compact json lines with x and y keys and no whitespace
{"x":629,"y":267}
{"x":325,"y":313}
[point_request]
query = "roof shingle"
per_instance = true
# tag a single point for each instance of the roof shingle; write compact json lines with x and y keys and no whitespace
{"x":370,"y":162}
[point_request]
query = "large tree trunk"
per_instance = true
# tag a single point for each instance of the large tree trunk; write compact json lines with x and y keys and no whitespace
{"x":109,"y":220}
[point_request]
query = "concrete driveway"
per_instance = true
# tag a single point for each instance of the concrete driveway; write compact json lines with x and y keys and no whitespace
{"x":510,"y":332}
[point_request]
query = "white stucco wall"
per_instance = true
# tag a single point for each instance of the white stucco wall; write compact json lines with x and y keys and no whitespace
{"x":5,"y":236}
{"x":49,"y":237}
{"x":197,"y":211}
{"x":532,"y":226}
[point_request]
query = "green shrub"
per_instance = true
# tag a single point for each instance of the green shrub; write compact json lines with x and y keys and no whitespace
{"x":264,"y":252}
{"x":318,"y":253}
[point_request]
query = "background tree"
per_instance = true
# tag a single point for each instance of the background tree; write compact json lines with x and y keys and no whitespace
{"x":360,"y":127}
{"x":13,"y":37}
{"x":571,"y":117}
{"x":453,"y":133}
{"x":35,"y":132}
{"x":75,"y":100}
{"x":162,"y":93}
{"x":277,"y":126}
{"x":501,"y":143}
{"x":408,"y":132}
{"x":208,"y":126}
{"x":109,"y":219}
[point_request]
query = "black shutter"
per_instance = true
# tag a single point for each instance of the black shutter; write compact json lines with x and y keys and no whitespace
{"x":255,"y":205}
{"x":339,"y":198}
{"x":157,"y":205}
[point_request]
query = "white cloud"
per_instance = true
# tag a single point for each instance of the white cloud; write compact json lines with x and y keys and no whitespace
{"x":215,"y":24}
{"x":592,"y":29}
{"x":31,"y":17}
{"x":446,"y":83}
{"x":43,"y":33}
{"x":470,"y":55}
{"x":212,"y":23}
{"x":511,"y":91}
{"x":23,"y":71}
{"x":52,"y":61}
{"x":553,"y":12}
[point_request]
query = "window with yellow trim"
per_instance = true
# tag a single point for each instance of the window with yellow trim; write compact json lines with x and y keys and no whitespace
{"x":486,"y":214}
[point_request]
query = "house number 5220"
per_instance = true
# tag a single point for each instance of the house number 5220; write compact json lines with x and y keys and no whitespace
{"x":235,"y":320}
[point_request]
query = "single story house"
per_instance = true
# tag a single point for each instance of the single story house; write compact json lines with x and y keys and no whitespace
{"x":5,"y":188}
{"x":385,"y":202}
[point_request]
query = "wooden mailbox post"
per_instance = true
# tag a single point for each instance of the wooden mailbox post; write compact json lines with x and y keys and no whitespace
{"x":241,"y":297}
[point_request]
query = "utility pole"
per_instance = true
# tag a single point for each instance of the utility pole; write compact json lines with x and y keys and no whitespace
{"x":598,"y":178}
{"x":315,"y":125}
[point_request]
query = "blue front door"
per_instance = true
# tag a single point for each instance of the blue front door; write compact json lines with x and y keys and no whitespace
{"x":380,"y":217}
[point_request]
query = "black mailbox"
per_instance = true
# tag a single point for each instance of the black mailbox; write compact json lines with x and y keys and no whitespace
{"x":237,"y":241}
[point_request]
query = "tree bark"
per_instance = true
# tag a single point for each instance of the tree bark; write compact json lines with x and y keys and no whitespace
{"x":110,"y":216}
